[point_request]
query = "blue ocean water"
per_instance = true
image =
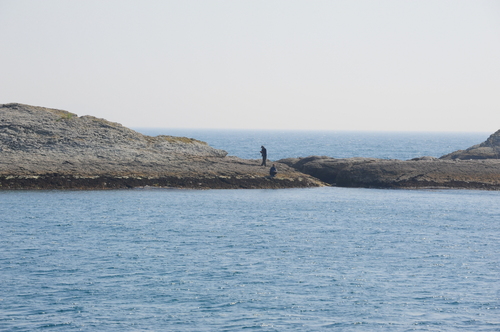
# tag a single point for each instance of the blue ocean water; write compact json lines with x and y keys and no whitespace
{"x":317,"y":259}
{"x":338,"y":144}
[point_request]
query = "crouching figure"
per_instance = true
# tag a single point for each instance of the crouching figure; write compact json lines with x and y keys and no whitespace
{"x":273,"y":171}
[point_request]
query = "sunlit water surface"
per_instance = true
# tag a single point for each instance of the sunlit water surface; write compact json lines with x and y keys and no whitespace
{"x":266,"y":260}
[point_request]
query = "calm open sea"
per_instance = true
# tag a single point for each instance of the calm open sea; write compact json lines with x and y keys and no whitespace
{"x":338,"y":144}
{"x":319,"y":259}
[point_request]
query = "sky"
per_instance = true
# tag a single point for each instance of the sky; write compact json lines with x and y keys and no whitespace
{"x":390,"y":65}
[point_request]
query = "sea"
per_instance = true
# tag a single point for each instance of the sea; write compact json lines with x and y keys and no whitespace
{"x":316,"y":259}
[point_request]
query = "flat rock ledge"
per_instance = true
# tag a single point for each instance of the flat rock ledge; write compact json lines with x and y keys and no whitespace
{"x":61,"y":181}
{"x":186,"y":173}
{"x":421,"y":173}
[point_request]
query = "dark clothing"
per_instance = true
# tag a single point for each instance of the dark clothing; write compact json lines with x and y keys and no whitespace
{"x":263,"y":152}
{"x":273,"y":171}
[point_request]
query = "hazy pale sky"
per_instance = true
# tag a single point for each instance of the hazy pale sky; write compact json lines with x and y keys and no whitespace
{"x":426,"y":65}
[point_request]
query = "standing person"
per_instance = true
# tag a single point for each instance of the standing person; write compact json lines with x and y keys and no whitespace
{"x":273,"y":171}
{"x":263,"y":152}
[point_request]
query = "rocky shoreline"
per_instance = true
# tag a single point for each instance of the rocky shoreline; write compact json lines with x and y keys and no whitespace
{"x":43,"y":148}
{"x":61,"y":181}
{"x":398,"y":174}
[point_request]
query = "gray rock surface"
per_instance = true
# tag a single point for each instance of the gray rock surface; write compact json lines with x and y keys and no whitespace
{"x":48,"y":148}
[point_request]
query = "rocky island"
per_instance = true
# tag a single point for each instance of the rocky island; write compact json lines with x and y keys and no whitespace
{"x":43,"y":148}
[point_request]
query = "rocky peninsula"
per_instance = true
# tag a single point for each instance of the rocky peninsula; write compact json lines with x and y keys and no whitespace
{"x":477,"y":167}
{"x":43,"y":148}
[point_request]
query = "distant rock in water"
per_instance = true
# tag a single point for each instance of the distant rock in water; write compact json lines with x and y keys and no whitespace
{"x":489,"y":149}
{"x":44,"y":148}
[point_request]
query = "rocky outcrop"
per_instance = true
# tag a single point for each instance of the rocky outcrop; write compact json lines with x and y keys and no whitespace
{"x":475,"y":168}
{"x":31,"y":129}
{"x":423,"y":174}
{"x":489,"y":149}
{"x":418,"y":173}
{"x":48,"y":148}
